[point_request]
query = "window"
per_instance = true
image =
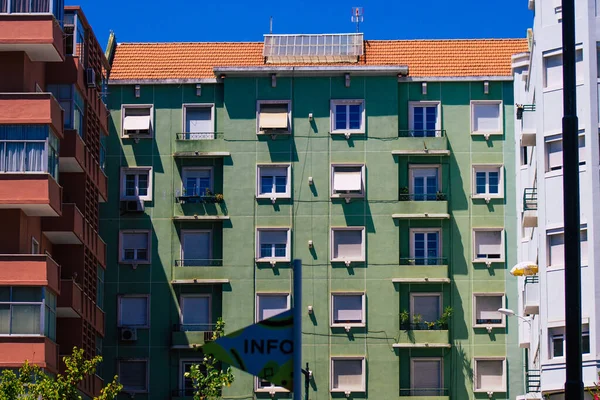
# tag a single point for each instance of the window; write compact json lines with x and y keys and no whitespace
{"x":348,"y":244}
{"x":425,"y":246}
{"x":273,"y":181}
{"x":485,"y":306}
{"x":261,"y":385}
{"x":133,"y":375}
{"x":196,"y":248}
{"x":557,"y":341}
{"x":198,"y":122}
{"x":136,"y":183}
{"x":134,"y":311}
{"x":488,"y":181}
{"x":195,"y":313}
{"x":135,"y":247}
{"x":271,"y":304}
{"x":273,"y":116}
{"x":554,"y":157}
{"x":347,"y":309}
{"x":486,"y":118}
{"x":347,"y":180}
{"x":553,"y":69}
{"x":137,"y":121}
{"x":424,"y":182}
{"x":187,"y":386}
{"x":426,"y":305}
{"x":524,"y":156}
{"x":426,"y":376}
{"x":273,"y":244}
{"x":71,"y":101}
{"x":35,"y":246}
{"x":348,"y":374}
{"x":489,"y":374}
{"x":424,"y":119}
{"x":27,"y":311}
{"x":556,"y":247}
{"x":28,"y":148}
{"x":347,"y":116}
{"x":488,"y":245}
{"x":197,"y":181}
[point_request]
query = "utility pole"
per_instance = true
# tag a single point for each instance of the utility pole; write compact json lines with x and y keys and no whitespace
{"x":297,"y":313}
{"x":574,"y":381}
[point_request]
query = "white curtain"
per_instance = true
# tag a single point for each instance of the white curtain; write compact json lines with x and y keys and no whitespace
{"x":34,"y":157}
{"x":14,"y":156}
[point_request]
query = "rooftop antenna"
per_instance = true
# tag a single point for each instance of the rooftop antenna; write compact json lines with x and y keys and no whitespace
{"x":271,"y":25}
{"x":357,"y":17}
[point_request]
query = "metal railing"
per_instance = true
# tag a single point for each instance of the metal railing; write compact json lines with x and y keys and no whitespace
{"x":421,"y":133}
{"x":424,"y":392}
{"x":424,"y":261}
{"x":404,"y":195}
{"x":199,"y":262}
{"x":198,"y":135}
{"x":198,"y":198}
{"x":533,"y":377}
{"x":208,"y":329}
{"x":424,"y":326}
{"x":530,"y":199}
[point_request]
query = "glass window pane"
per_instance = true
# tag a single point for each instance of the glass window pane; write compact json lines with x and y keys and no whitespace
{"x":133,"y":311}
{"x":340,"y":117}
{"x":557,"y":346}
{"x":280,"y":184}
{"x":266,"y":250}
{"x":418,"y":121}
{"x":494,"y":178}
{"x":354,"y":116}
{"x":480,"y":182}
{"x":280,"y":250}
{"x":4,"y":319}
{"x":585,"y":343}
{"x":130,"y":185}
{"x":26,"y":294}
{"x":25,"y":319}
{"x":266,"y":184}
{"x":142,"y":184}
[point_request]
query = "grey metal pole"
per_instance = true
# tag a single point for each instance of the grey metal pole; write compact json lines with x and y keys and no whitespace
{"x":298,"y":377}
{"x":574,"y":381}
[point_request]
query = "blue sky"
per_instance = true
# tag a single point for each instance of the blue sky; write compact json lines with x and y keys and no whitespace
{"x":243,"y":20}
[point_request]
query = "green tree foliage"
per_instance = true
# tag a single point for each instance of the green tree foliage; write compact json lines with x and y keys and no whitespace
{"x":31,"y":383}
{"x":207,"y":378}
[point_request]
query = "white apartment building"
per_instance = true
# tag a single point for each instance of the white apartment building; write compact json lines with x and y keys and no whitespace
{"x":538,"y":87}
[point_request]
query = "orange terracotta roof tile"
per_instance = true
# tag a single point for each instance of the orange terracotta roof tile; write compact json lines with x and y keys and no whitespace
{"x":425,"y":58}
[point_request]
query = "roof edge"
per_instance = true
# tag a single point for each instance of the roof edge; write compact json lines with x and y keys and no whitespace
{"x":162,"y":81}
{"x":313,"y":70}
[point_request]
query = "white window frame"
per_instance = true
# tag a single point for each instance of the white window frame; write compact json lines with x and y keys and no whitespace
{"x":334,"y":324}
{"x":347,"y":102}
{"x":416,"y":104}
{"x":490,"y":260}
{"x":269,"y":294}
{"x":347,"y":228}
{"x":499,"y":132}
{"x":487,"y":168}
{"x":187,"y":170}
{"x":335,"y":195}
{"x":269,"y":389}
{"x":184,"y":109}
{"x":278,"y":131}
{"x":144,"y":360}
{"x":549,"y":233}
{"x":502,"y":316}
{"x":425,"y":294}
{"x":210,"y":241}
{"x":558,"y":52}
{"x":411,"y":178}
{"x":547,"y":141}
{"x":288,"y":250}
{"x":288,"y":188}
{"x":485,"y":390}
{"x":349,"y":358}
{"x":181,"y":308}
{"x":119,"y":316}
{"x":183,"y":361}
{"x":136,"y":171}
{"x":149,"y":249}
{"x":412,"y":371}
{"x":412,"y":232}
{"x":150,"y":134}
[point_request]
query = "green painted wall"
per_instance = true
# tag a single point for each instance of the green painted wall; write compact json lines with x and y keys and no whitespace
{"x":311,"y":150}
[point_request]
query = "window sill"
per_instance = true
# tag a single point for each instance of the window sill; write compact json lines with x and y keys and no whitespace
{"x":343,"y":260}
{"x":136,"y":262}
{"x":275,"y":389}
{"x":494,"y":326}
{"x":348,"y":195}
{"x":137,"y":137}
{"x":351,"y":325}
{"x":273,"y":260}
{"x":271,"y":196}
{"x":273,"y":132}
{"x":486,"y":133}
{"x":493,"y":390}
{"x":133,"y":326}
{"x":488,"y":260}
{"x":347,"y":131}
{"x":347,"y":390}
{"x":485,"y":196}
{"x":145,"y":198}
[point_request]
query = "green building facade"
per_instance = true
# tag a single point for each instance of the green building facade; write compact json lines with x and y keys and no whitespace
{"x":418,"y":168}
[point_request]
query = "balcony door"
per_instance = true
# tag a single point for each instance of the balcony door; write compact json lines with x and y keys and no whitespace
{"x":424,"y":183}
{"x":196,"y":248}
{"x":426,"y":376}
{"x":426,"y":247}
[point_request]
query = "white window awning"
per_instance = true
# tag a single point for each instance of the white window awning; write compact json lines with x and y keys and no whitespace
{"x":347,"y":180}
{"x":136,"y":123}
{"x":273,"y":116}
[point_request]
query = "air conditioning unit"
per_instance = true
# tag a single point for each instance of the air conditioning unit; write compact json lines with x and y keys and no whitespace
{"x":91,"y":77}
{"x":128,"y":334}
{"x":133,"y":206}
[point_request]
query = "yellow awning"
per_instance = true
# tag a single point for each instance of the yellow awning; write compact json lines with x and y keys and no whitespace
{"x":526,"y":268}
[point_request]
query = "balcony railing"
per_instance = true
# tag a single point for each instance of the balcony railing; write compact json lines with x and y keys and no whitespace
{"x":424,"y":392}
{"x":530,"y":199}
{"x":404,"y":195}
{"x":424,"y":326}
{"x":424,"y":261}
{"x":421,"y":133}
{"x":55,"y":7}
{"x":198,"y":195}
{"x":198,"y":135}
{"x":533,"y":377}
{"x":188,"y":262}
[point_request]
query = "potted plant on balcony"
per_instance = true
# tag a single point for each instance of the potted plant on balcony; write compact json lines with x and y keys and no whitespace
{"x":404,"y":318}
{"x":404,"y":194}
{"x":219,"y":198}
{"x":442,"y":323}
{"x":417,"y":321}
{"x":439,"y":196}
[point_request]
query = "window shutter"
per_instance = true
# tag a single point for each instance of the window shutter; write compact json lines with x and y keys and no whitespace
{"x":490,"y":375}
{"x":273,"y":116}
{"x":270,"y":305}
{"x":196,"y":311}
{"x":487,"y":307}
{"x":197,"y":173}
{"x":347,"y":179}
{"x":134,"y":311}
{"x":489,"y":242}
{"x":347,"y":244}
{"x":347,"y":375}
{"x":348,"y":308}
{"x":198,"y":120}
{"x":136,"y":119}
{"x":427,"y":306}
{"x":196,"y":248}
{"x":557,"y":249}
{"x":486,"y":118}
{"x":135,"y":240}
{"x":273,"y":171}
{"x":273,"y":237}
{"x":554,"y":154}
{"x":427,"y":374}
{"x":132,"y":375}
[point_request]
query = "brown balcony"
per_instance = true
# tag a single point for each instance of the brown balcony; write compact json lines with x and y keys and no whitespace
{"x":70,"y":301}
{"x":29,"y":270}
{"x":67,"y":229}
{"x":31,"y":109}
{"x":72,"y":152}
{"x":102,"y":187}
{"x":38,"y":350}
{"x":35,"y":194}
{"x":39,"y":35}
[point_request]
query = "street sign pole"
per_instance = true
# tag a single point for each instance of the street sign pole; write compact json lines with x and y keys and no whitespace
{"x":297,"y":313}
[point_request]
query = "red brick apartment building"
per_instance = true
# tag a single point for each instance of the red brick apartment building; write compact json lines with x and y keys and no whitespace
{"x":52,"y":124}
